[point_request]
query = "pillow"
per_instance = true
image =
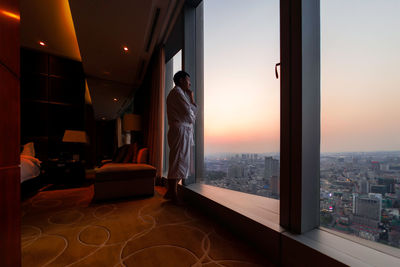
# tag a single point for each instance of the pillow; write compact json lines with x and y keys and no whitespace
{"x":35,"y":161}
{"x":131,"y":154}
{"x":120,"y":154}
{"x":142,"y":156}
{"x":29,"y":150}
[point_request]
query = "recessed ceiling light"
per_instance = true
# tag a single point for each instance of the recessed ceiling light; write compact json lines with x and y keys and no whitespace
{"x":42,"y":43}
{"x":115,"y":99}
{"x":125,"y":48}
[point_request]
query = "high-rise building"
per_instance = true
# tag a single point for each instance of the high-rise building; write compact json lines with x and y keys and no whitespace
{"x":364,"y":187}
{"x":389,"y":183}
{"x":367,"y":209}
{"x":275,"y":185}
{"x":384,"y":167}
{"x":235,"y":171}
{"x":271,"y":167}
{"x":380,"y":189}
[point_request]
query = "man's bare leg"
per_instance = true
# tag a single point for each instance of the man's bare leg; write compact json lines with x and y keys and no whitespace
{"x":172,"y":191}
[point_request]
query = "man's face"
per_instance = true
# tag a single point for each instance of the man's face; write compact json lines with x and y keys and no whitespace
{"x":185,"y":83}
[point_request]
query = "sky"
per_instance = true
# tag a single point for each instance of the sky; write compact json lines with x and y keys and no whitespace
{"x":360,"y":80}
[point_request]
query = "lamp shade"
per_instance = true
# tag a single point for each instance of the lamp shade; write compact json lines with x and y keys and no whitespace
{"x":132,"y":122}
{"x":72,"y":136}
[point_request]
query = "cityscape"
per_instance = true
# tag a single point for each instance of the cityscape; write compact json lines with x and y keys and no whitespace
{"x":359,"y":192}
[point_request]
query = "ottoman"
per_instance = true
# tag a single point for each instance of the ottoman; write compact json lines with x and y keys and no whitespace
{"x":118,"y":180}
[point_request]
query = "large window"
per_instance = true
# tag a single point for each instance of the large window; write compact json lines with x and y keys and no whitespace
{"x":242,"y":96}
{"x":360,"y":135}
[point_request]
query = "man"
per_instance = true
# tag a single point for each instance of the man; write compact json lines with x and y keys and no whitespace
{"x":181,"y":112}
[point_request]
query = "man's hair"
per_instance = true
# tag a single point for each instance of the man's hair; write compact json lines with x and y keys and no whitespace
{"x":180,"y":75}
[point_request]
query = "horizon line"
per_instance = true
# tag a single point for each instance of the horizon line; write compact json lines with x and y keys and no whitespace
{"x":325,"y":152}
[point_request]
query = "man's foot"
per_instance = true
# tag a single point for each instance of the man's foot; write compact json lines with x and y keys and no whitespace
{"x":169,"y":195}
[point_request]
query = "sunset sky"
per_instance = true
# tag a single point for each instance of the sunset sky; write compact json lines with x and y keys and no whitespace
{"x":360,"y":80}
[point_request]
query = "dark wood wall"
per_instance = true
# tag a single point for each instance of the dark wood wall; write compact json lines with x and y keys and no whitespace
{"x":52,"y":100}
{"x":106,"y":140}
{"x":10,"y":214}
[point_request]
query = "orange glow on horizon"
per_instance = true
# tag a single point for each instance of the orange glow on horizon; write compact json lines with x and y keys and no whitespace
{"x":10,"y":15}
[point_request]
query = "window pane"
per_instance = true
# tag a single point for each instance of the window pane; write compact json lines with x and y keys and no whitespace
{"x":360,"y":82}
{"x":242,"y":95}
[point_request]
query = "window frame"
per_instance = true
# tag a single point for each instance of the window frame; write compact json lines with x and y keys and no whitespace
{"x":300,"y":105}
{"x":300,"y":115}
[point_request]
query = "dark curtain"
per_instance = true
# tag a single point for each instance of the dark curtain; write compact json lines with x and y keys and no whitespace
{"x":155,"y":132}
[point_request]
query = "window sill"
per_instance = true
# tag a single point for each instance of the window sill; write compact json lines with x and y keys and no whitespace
{"x":260,"y":209}
{"x":343,"y":250}
{"x":257,"y":218}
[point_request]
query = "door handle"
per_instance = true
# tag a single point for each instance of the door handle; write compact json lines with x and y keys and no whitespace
{"x":276,"y":70}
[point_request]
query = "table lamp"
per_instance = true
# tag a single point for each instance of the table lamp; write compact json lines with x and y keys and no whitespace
{"x":72,"y":136}
{"x":131,"y":122}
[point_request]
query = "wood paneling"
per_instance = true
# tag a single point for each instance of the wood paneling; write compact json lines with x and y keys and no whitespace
{"x":10,"y":217}
{"x":105,"y":140}
{"x":9,"y":36}
{"x":10,"y":214}
{"x":9,"y":118}
{"x":52,"y":100}
{"x":35,"y":63}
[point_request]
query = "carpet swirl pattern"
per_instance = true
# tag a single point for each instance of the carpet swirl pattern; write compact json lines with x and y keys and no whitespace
{"x":64,"y":228}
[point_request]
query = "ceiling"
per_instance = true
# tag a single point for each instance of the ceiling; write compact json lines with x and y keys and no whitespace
{"x":96,"y":32}
{"x":50,"y":22}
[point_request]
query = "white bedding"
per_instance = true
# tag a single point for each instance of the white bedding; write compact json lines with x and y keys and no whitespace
{"x":30,"y":167}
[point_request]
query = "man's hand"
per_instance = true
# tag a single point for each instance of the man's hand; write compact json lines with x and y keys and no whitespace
{"x":191,"y":94}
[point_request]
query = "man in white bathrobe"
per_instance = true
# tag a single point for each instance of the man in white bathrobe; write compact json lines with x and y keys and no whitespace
{"x":181,"y":112}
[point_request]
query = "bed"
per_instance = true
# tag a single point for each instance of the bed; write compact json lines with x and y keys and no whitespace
{"x":30,"y":166}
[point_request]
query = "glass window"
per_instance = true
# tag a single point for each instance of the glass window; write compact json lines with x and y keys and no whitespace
{"x":242,"y":96}
{"x":360,"y":114}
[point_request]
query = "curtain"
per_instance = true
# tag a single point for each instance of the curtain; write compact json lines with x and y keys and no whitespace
{"x":156,"y":111}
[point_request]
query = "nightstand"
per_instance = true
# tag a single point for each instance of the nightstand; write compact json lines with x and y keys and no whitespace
{"x":65,"y":171}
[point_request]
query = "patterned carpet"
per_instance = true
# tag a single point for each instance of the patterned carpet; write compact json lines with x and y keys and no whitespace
{"x":63,"y":228}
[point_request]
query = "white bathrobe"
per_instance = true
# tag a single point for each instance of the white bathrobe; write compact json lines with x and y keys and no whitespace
{"x":181,"y":117}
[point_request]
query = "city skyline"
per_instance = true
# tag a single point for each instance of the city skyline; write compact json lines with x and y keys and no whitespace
{"x":359,"y":191}
{"x":359,"y":80}
{"x":322,"y":153}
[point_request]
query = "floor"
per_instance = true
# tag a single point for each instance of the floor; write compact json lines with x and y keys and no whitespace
{"x":64,"y":228}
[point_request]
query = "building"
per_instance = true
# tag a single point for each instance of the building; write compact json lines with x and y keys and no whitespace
{"x":236,"y":171}
{"x":367,"y":209}
{"x":271,"y":167}
{"x":379,"y":189}
{"x":275,"y":185}
{"x":389,"y":183}
{"x":364,"y":186}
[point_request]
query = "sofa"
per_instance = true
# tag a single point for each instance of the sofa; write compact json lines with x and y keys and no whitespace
{"x":128,"y":174}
